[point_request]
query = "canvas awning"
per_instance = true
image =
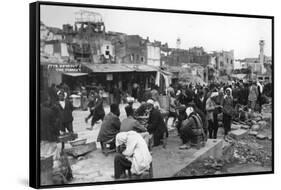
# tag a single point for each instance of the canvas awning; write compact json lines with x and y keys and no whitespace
{"x":76,"y":74}
{"x":107,"y":68}
{"x":239,"y":76}
{"x":118,"y":68}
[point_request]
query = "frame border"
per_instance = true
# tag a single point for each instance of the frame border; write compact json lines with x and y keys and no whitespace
{"x":34,"y":141}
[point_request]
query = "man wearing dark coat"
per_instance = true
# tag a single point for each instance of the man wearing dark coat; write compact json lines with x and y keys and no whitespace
{"x":53,"y":93}
{"x":96,"y":110}
{"x":110,"y":126}
{"x":244,"y":93}
{"x":156,"y":124}
{"x":130,"y":123}
{"x":49,"y":129}
{"x":49,"y":132}
{"x":63,"y":109}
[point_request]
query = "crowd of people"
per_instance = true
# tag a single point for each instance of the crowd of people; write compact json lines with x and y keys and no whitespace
{"x":195,"y":110}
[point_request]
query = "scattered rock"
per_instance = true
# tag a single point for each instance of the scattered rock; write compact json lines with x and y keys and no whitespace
{"x":261,"y":136}
{"x":256,"y":115}
{"x":237,"y":134}
{"x":81,"y":158}
{"x":235,"y":127}
{"x":269,"y":137}
{"x":254,"y":133}
{"x":267,"y":116}
{"x":254,"y":122}
{"x":258,"y":163}
{"x":262,"y":123}
{"x":255,"y":127}
{"x":218,"y":173}
{"x":194,"y":172}
{"x":245,"y":127}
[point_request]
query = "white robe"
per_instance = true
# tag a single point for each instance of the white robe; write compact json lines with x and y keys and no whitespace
{"x":136,"y":151}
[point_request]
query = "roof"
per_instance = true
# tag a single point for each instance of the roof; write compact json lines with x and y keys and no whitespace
{"x":239,"y":76}
{"x":76,"y":74}
{"x":113,"y":68}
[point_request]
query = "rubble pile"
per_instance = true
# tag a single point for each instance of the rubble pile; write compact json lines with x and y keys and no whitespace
{"x":249,"y":145}
{"x":258,"y":124}
{"x":256,"y":146}
{"x":213,"y":166}
{"x":208,"y":166}
{"x":250,"y":151}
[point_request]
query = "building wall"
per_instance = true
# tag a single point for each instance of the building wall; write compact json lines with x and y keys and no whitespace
{"x":58,"y":49}
{"x":49,"y":49}
{"x":64,"y":50}
{"x":224,"y":61}
{"x":134,"y":50}
{"x":153,"y":55}
{"x":203,"y":60}
{"x":177,"y":57}
{"x":196,"y":51}
{"x":107,"y":49}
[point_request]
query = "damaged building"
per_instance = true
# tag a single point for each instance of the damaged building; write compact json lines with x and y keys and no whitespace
{"x":223,"y":62}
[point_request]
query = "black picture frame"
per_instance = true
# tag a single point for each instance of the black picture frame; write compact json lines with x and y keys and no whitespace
{"x":34,"y":82}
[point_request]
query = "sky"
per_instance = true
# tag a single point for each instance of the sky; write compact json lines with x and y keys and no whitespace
{"x":213,"y":33}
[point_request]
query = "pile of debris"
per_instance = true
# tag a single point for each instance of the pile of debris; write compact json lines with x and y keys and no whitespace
{"x":250,"y":151}
{"x":254,"y":146}
{"x":258,"y":125}
{"x":208,"y":166}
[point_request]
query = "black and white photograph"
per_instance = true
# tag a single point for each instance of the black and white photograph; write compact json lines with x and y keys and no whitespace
{"x":135,"y":95}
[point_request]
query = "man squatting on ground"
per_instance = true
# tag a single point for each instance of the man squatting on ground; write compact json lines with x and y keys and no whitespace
{"x":110,"y":126}
{"x":133,"y":154}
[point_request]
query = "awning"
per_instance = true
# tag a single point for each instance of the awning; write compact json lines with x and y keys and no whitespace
{"x":239,"y":76}
{"x":142,"y":68}
{"x":75,"y":74}
{"x":107,"y":68}
{"x":119,"y":68}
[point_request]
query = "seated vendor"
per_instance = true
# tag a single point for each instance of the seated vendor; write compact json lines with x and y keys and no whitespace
{"x":133,"y":154}
{"x":191,"y":131}
{"x":156,"y":124}
{"x":131,"y":124}
{"x":110,"y":126}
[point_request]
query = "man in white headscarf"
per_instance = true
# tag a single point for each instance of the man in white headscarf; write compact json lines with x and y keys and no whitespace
{"x":134,"y":154}
{"x":227,"y":109}
{"x":211,"y":107}
{"x":156,"y":124}
{"x":192,"y":129}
